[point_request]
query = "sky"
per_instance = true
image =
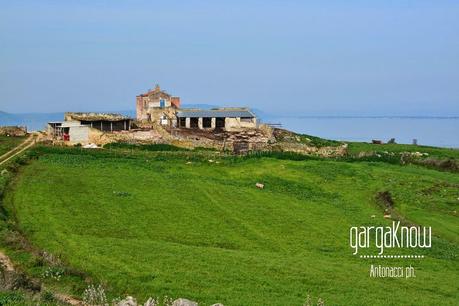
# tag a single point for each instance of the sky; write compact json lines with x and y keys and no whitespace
{"x":286,"y":57}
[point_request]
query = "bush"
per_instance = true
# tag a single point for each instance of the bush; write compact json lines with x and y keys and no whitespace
{"x":12,"y":298}
{"x":48,"y":297}
{"x":144,"y":147}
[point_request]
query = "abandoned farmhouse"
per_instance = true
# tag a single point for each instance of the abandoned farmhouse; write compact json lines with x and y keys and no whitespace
{"x":159,"y":107}
{"x":76,"y":127}
{"x":155,"y":109}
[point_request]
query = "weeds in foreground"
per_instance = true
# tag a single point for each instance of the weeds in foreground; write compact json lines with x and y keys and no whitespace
{"x":54,"y":273}
{"x":94,"y":295}
{"x":309,"y":302}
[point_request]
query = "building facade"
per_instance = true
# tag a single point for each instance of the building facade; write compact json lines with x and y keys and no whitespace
{"x":78,"y":127}
{"x":157,"y":106}
{"x":228,"y":119}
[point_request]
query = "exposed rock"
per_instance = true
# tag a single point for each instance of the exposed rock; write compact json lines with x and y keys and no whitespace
{"x":90,"y":146}
{"x":184,"y":302}
{"x":218,"y":304}
{"x":151,"y":302}
{"x":13,"y":131}
{"x":128,"y":301}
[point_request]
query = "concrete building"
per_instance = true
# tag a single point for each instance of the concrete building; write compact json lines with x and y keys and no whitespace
{"x":100,"y":121}
{"x":78,"y":127}
{"x":217,"y":118}
{"x":159,"y":107}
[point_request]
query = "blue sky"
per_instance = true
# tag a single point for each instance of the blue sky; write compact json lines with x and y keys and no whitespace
{"x":291,"y":57}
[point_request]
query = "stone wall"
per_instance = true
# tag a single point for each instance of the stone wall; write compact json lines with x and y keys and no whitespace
{"x":237,"y":124}
{"x":13,"y":130}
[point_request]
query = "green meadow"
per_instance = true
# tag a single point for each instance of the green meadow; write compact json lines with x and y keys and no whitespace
{"x":193,"y":225}
{"x":7,"y":143}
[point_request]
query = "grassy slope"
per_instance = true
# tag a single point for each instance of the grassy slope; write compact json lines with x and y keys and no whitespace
{"x":8,"y":143}
{"x":357,"y":147}
{"x":155,"y":226}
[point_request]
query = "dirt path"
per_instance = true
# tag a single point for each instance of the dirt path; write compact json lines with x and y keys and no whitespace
{"x":8,"y":266}
{"x":30,"y":141}
{"x":68,"y":299}
{"x":5,"y":261}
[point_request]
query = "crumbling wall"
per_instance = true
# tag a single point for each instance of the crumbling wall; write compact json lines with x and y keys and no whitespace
{"x":237,"y":124}
{"x":327,"y":151}
{"x":132,"y":136}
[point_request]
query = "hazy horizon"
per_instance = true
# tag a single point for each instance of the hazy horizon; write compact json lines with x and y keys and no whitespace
{"x":284,"y":57}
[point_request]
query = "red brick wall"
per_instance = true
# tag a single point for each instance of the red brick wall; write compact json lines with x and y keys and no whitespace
{"x":175,"y":101}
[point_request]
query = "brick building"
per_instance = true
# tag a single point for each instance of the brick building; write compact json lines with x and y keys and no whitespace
{"x":157,"y":106}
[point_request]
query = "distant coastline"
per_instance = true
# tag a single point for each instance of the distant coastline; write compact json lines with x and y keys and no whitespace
{"x":438,"y":131}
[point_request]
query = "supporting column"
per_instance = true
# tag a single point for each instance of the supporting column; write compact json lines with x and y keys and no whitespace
{"x":200,"y":123}
{"x":187,"y":123}
{"x":213,"y":123}
{"x":111,"y":126}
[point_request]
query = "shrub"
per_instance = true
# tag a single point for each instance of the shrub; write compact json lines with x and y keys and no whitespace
{"x":48,"y":297}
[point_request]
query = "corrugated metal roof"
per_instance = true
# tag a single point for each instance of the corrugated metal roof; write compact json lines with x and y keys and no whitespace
{"x":213,"y":113}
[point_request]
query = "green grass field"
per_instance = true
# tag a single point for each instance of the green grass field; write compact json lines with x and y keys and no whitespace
{"x":8,"y":142}
{"x":153,"y":224}
{"x":357,"y":147}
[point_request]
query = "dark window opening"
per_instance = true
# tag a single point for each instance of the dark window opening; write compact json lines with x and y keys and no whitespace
{"x":206,"y":123}
{"x":220,"y":122}
{"x":182,"y":122}
{"x":247,"y":119}
{"x":194,"y":123}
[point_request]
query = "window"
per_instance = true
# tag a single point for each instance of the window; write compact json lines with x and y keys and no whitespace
{"x":206,"y":123}
{"x":194,"y":123}
{"x":162,"y":103}
{"x":220,"y":123}
{"x":164,"y":120}
{"x":246,"y":119}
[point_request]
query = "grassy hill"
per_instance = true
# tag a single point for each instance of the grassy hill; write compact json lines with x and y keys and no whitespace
{"x":193,"y":225}
{"x":357,"y":147}
{"x":7,"y":143}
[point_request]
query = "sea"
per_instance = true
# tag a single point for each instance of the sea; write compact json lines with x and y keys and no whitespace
{"x":430,"y":131}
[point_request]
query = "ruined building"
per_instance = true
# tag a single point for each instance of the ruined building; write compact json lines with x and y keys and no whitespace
{"x":159,"y":107}
{"x":233,"y":118}
{"x":79,"y":127}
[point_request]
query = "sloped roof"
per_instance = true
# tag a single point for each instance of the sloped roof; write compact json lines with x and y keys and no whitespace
{"x":213,"y":113}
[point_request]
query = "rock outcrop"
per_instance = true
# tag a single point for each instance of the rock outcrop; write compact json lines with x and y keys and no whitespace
{"x":184,"y":302}
{"x":128,"y":301}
